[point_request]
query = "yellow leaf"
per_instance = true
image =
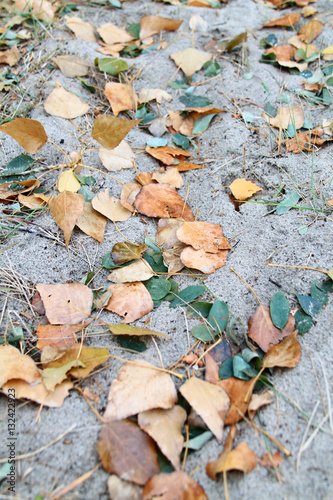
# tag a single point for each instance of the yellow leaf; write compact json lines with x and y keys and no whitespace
{"x":190,"y":60}
{"x":68,"y":182}
{"x":328,"y":50}
{"x":243,"y":189}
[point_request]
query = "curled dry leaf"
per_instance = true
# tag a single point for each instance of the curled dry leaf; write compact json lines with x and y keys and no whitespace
{"x":263,"y":332}
{"x":203,"y":261}
{"x":139,"y":270}
{"x":72,"y":66}
{"x":237,"y":391}
{"x":65,"y":104}
{"x":144,"y":178}
{"x":166,"y":235}
{"x":172,"y":258}
{"x":120,"y":96}
{"x":89,"y":358}
{"x":210,"y":401}
{"x":190,"y":60}
{"x":118,"y":158}
{"x":150,"y":25}
{"x":286,"y":116}
{"x":170,"y":175}
{"x":165,"y":427}
{"x":128,"y":194}
{"x":310,"y":31}
{"x":110,"y":207}
{"x":30,"y":134}
{"x":125,"y":252}
{"x":92,"y":222}
{"x":109,"y":131}
{"x":82,"y":30}
{"x":288,"y":20}
{"x":33,"y":201}
{"x":15,"y":365}
{"x":130,"y":300}
{"x":8,"y":195}
{"x":163,"y":201}
{"x":65,"y":209}
{"x":166,"y":154}
{"x":122,"y":490}
{"x":287,"y":354}
{"x":272,"y":460}
{"x":58,"y":336}
{"x":39,"y":393}
{"x":139,"y":388}
{"x":66,"y":304}
{"x":203,"y":235}
{"x":158,"y":95}
{"x":127,"y":451}
{"x":259,"y":400}
{"x":111,"y":34}
{"x":174,"y":486}
{"x":243,"y":189}
{"x":68,"y":182}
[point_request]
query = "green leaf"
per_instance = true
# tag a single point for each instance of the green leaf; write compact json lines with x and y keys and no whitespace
{"x":164,"y":465}
{"x":318,"y":294}
{"x":180,"y":140}
{"x":303,"y":322}
{"x":197,"y":442}
{"x":289,"y":202}
{"x":158,"y":288}
{"x":330,"y":273}
{"x":270,"y":110}
{"x":195,"y":101}
{"x":249,"y":355}
{"x":111,"y":65}
{"x":156,"y":142}
{"x":328,"y":70}
{"x":115,"y":3}
{"x":247,"y":117}
{"x":226,"y":369}
{"x":86,"y":193}
{"x":85,"y":180}
{"x":155,"y":260}
{"x":173,"y":291}
{"x":309,"y":305}
{"x":18,"y":165}
{"x":204,"y":333}
{"x":218,"y":316}
{"x":202,"y":123}
{"x":326,"y":97}
{"x":132,"y":343}
{"x":198,"y":310}
{"x":212,"y":68}
{"x":279,"y":309}
{"x":134,"y":29}
{"x":189,"y":294}
{"x":326,"y":286}
{"x":242,"y":369}
{"x":108,"y":262}
{"x":87,"y":85}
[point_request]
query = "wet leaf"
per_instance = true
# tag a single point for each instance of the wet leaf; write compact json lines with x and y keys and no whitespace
{"x":243,"y":189}
{"x":30,"y":134}
{"x":72,"y":66}
{"x":190,"y":60}
{"x":66,"y":209}
{"x":189,"y":294}
{"x":263,"y":332}
{"x":287,"y":354}
{"x":139,"y":270}
{"x":149,"y":25}
{"x":163,"y":201}
{"x":174,"y":486}
{"x":125,"y":252}
{"x":279,"y":309}
{"x":310,"y":305}
{"x":65,"y":104}
{"x":203,"y":235}
{"x":110,"y":131}
{"x":110,"y":207}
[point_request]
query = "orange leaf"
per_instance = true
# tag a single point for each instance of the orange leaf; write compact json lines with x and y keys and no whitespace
{"x":203,"y":235}
{"x":287,"y":354}
{"x":120,"y":96}
{"x":262,"y":330}
{"x":166,"y":154}
{"x":130,"y":300}
{"x":30,"y":134}
{"x":237,"y":391}
{"x":174,"y":486}
{"x":310,"y":31}
{"x":203,"y":261}
{"x":162,"y":200}
{"x":57,"y":336}
{"x":288,"y":20}
{"x":149,"y":25}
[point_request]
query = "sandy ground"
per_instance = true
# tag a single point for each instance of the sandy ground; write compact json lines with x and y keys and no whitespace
{"x":254,"y":234}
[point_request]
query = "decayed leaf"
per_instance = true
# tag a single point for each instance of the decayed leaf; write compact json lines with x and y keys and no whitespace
{"x":271,"y":461}
{"x":139,"y":270}
{"x":30,"y":134}
{"x":72,"y":66}
{"x":163,"y":201}
{"x":165,"y":427}
{"x":237,"y":391}
{"x":68,"y":182}
{"x":120,"y":96}
{"x":122,"y":490}
{"x":210,"y":401}
{"x":139,"y":388}
{"x":160,"y":95}
{"x":112,"y":34}
{"x":263,"y":332}
{"x":110,"y":207}
{"x":150,"y":25}
{"x":167,"y":154}
{"x":82,"y":30}
{"x":128,"y":194}
{"x":65,"y":104}
{"x":118,"y":158}
{"x":39,"y":393}
{"x":130,"y":300}
{"x":190,"y":60}
{"x":66,"y":304}
{"x":65,"y":209}
{"x":310,"y":31}
{"x":15,"y":365}
{"x":57,"y":336}
{"x":125,"y":252}
{"x":287,"y":354}
{"x":170,"y":175}
{"x":174,"y":486}
{"x":259,"y":400}
{"x":286,"y":116}
{"x":288,"y":20}
{"x":92,"y":222}
{"x":135,"y":331}
{"x":127,"y":451}
{"x":110,"y":131}
{"x":166,"y":235}
{"x":90,"y":357}
{"x":42,"y":9}
{"x":243,"y":189}
{"x":203,"y":261}
{"x":203,"y":235}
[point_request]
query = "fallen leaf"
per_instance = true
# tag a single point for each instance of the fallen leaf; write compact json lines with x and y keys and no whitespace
{"x":68,"y":182}
{"x":7,"y":195}
{"x":15,"y":365}
{"x":118,"y":158}
{"x":82,"y":30}
{"x":215,"y":356}
{"x":272,"y":460}
{"x":288,"y":20}
{"x":110,"y":207}
{"x":42,"y":9}
{"x":65,"y":209}
{"x":203,"y":235}
{"x":39,"y":393}
{"x":130,"y":300}
{"x":162,"y":201}
{"x":243,"y":189}
{"x":308,"y":48}
{"x":310,"y":31}
{"x":190,"y":60}
{"x":237,"y":391}
{"x":287,"y":354}
{"x":65,"y":104}
{"x":120,"y":96}
{"x":57,"y":336}
{"x":110,"y":131}
{"x":170,"y":175}
{"x":66,"y":304}
{"x":263,"y":332}
{"x":122,"y":490}
{"x":134,"y":331}
{"x":210,"y":401}
{"x":167,"y":154}
{"x":30,"y":134}
{"x":125,"y":252}
{"x":150,"y":25}
{"x":284,"y":54}
{"x":165,"y":428}
{"x":72,"y":66}
{"x":258,"y":400}
{"x":286,"y":116}
{"x":10,"y":56}
{"x":111,"y":34}
{"x":139,"y":270}
{"x":304,"y":142}
{"x":54,"y":376}
{"x":203,"y":261}
{"x":139,"y":388}
{"x":92,"y":222}
{"x":198,"y":23}
{"x":158,"y":95}
{"x":144,"y":178}
{"x":166,"y":235}
{"x":185,"y":166}
{"x":128,"y":194}
{"x":174,"y":486}
{"x":172,"y":258}
{"x":90,"y":357}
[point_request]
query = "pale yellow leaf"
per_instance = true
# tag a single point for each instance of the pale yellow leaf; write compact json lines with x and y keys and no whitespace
{"x":110,"y":207}
{"x":82,"y":30}
{"x":65,"y":104}
{"x":190,"y":60}
{"x":118,"y":158}
{"x":68,"y":182}
{"x":139,"y":270}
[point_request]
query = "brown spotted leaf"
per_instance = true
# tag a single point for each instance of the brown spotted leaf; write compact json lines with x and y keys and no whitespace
{"x":174,"y":486}
{"x":263,"y":332}
{"x":125,"y":252}
{"x":130,"y":300}
{"x":163,"y":201}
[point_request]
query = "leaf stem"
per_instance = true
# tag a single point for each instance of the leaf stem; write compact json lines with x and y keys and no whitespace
{"x":250,"y":287}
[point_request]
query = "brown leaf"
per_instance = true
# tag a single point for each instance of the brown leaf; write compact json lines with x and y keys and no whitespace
{"x":215,"y":356}
{"x":15,"y":365}
{"x":57,"y":336}
{"x":111,"y":34}
{"x":304,"y":142}
{"x":166,"y":235}
{"x":127,"y":451}
{"x":128,"y":194}
{"x":190,"y":60}
{"x":10,"y":56}
{"x":170,"y":175}
{"x":308,"y":48}
{"x":82,"y":30}
{"x":118,"y":158}
{"x":174,"y":486}
{"x":139,"y":270}
{"x":237,"y":391}
{"x":30,"y":134}
{"x":130,"y":300}
{"x":110,"y":131}
{"x":139,"y":388}
{"x":287,"y":354}
{"x":39,"y":393}
{"x":33,"y":201}
{"x":263,"y":332}
{"x":163,"y":201}
{"x":203,"y":261}
{"x":288,"y":115}
{"x":66,"y":304}
{"x":185,"y":166}
{"x":271,"y":461}
{"x":310,"y":31}
{"x":120,"y":96}
{"x":65,"y":104}
{"x":42,"y":9}
{"x":92,"y":222}
{"x":172,"y":258}
{"x":144,"y":178}
{"x":243,"y":189}
{"x":90,"y":357}
{"x":122,"y":490}
{"x":149,"y":25}
{"x":210,"y":402}
{"x":258,"y":400}
{"x":166,"y":154}
{"x":288,"y":20}
{"x":125,"y":252}
{"x":110,"y":207}
{"x":165,"y":427}
{"x":135,"y":331}
{"x":203,"y":235}
{"x":72,"y":66}
{"x":65,"y":209}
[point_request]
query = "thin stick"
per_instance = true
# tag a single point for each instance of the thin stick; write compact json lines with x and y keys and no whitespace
{"x":298,"y":267}
{"x":225,"y":485}
{"x":150,"y":366}
{"x":186,"y":447}
{"x":205,"y":352}
{"x":250,"y":287}
{"x":75,"y":483}
{"x":185,"y":201}
{"x":183,"y":356}
{"x":90,"y":405}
